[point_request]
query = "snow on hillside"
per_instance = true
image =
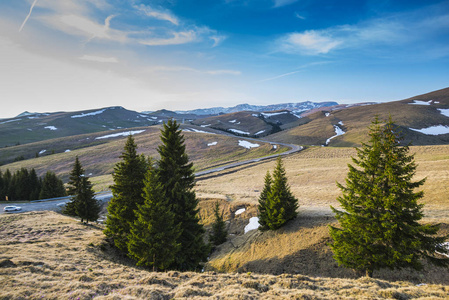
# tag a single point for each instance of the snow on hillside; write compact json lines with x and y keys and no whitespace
{"x":338,"y":132}
{"x":433,"y":130}
{"x":239,"y":211}
{"x":259,"y":132}
{"x":419,"y":102}
{"x":51,"y":127}
{"x":89,"y":114}
{"x":253,"y":224}
{"x":15,"y":120}
{"x":126,"y":133}
{"x":444,"y":112}
{"x":212,"y":144}
{"x":247,"y":144}
{"x":274,"y":114}
{"x":238,"y":131}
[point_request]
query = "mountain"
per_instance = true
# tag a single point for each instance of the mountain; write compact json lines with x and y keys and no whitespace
{"x":422,"y":119}
{"x":296,"y":108}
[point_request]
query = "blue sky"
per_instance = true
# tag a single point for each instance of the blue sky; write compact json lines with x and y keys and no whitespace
{"x":185,"y":54}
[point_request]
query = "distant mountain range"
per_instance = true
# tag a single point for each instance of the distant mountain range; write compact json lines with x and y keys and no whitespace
{"x":296,"y":108}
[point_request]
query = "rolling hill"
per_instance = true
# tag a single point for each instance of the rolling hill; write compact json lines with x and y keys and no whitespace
{"x":423,"y":120}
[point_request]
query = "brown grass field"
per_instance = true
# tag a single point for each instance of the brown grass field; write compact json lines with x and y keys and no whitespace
{"x":46,"y":255}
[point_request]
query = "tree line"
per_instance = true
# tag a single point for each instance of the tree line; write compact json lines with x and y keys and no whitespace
{"x":24,"y":184}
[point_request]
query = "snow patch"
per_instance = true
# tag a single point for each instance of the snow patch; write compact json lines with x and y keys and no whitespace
{"x":247,"y":144}
{"x":196,"y":130}
{"x":89,"y":114}
{"x":42,"y":152}
{"x":126,"y":133}
{"x":233,"y":121}
{"x":259,"y":132}
{"x":419,"y":102}
{"x":255,"y":115}
{"x":433,"y":130}
{"x":51,"y":127}
{"x":274,"y":114}
{"x":444,"y":112}
{"x":238,"y":131}
{"x":68,"y":150}
{"x":240,"y":211}
{"x":212,"y":144}
{"x":15,"y":120}
{"x":206,"y":125}
{"x":327,"y":114}
{"x":338,"y":132}
{"x":253,"y":224}
{"x":341,"y":123}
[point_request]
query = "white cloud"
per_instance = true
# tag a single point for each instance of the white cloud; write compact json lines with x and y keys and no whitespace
{"x":280,"y":3}
{"x":160,"y":15}
{"x":99,"y":59}
{"x":309,"y":42}
{"x":177,"y":38}
{"x":188,"y":69}
{"x":28,"y":16}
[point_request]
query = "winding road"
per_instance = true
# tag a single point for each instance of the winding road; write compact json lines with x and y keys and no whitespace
{"x":56,"y":204}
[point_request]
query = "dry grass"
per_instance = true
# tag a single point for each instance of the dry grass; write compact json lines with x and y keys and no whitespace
{"x":44,"y":255}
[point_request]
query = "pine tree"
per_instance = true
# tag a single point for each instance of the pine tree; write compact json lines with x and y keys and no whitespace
{"x":153,"y":238}
{"x":52,"y":186}
{"x":263,"y":218}
{"x":129,"y":175}
{"x":86,"y":207}
{"x":379,"y":223}
{"x":219,"y":232}
{"x":35,"y":185}
{"x":280,"y":205}
{"x":7,"y":177}
{"x":176,"y":175}
{"x":74,"y":187}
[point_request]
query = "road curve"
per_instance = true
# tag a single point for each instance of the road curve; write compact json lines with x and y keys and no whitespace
{"x":57,"y":203}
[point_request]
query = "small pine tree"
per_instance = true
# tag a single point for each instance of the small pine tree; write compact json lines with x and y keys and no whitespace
{"x":177,"y":177}
{"x":219,"y":232}
{"x":129,"y":175}
{"x":87,"y":207}
{"x":263,"y":218}
{"x":153,"y":238}
{"x":74,"y":187}
{"x":52,"y":186}
{"x":379,"y":223}
{"x":280,"y":205}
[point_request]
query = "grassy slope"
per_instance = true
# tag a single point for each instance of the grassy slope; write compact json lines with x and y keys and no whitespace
{"x":357,"y":119}
{"x":48,"y":256}
{"x":99,"y":156}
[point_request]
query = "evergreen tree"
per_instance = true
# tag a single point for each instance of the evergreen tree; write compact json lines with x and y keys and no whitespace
{"x":178,"y":179}
{"x":74,"y":187}
{"x":153,"y":238}
{"x":52,"y":186}
{"x":129,"y":175}
{"x":219,"y":232}
{"x":2,"y":187}
{"x":263,"y":218}
{"x":7,"y":177}
{"x":280,"y":205}
{"x":35,"y":185}
{"x":379,"y":223}
{"x":86,"y":206}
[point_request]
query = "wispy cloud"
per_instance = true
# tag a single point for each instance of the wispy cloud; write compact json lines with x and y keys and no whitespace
{"x":177,"y":38}
{"x":101,"y":59}
{"x":300,"y":69}
{"x":156,"y":69}
{"x":28,"y":16}
{"x":309,"y":42}
{"x":158,"y":14}
{"x":280,"y":3}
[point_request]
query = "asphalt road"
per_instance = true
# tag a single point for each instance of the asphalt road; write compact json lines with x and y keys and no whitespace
{"x":58,"y":203}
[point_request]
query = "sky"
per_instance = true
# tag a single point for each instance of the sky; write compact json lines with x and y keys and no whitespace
{"x":185,"y":54}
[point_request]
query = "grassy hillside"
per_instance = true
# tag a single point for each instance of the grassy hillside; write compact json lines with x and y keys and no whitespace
{"x":354,"y":121}
{"x":48,"y":256}
{"x":98,"y":156}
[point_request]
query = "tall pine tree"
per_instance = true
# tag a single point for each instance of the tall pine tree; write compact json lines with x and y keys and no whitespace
{"x":219,"y":232}
{"x":379,"y":223}
{"x":263,"y":218}
{"x":86,"y":207}
{"x":280,"y":205}
{"x":153,"y":238}
{"x":129,"y":175}
{"x":74,"y":187}
{"x":177,"y":177}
